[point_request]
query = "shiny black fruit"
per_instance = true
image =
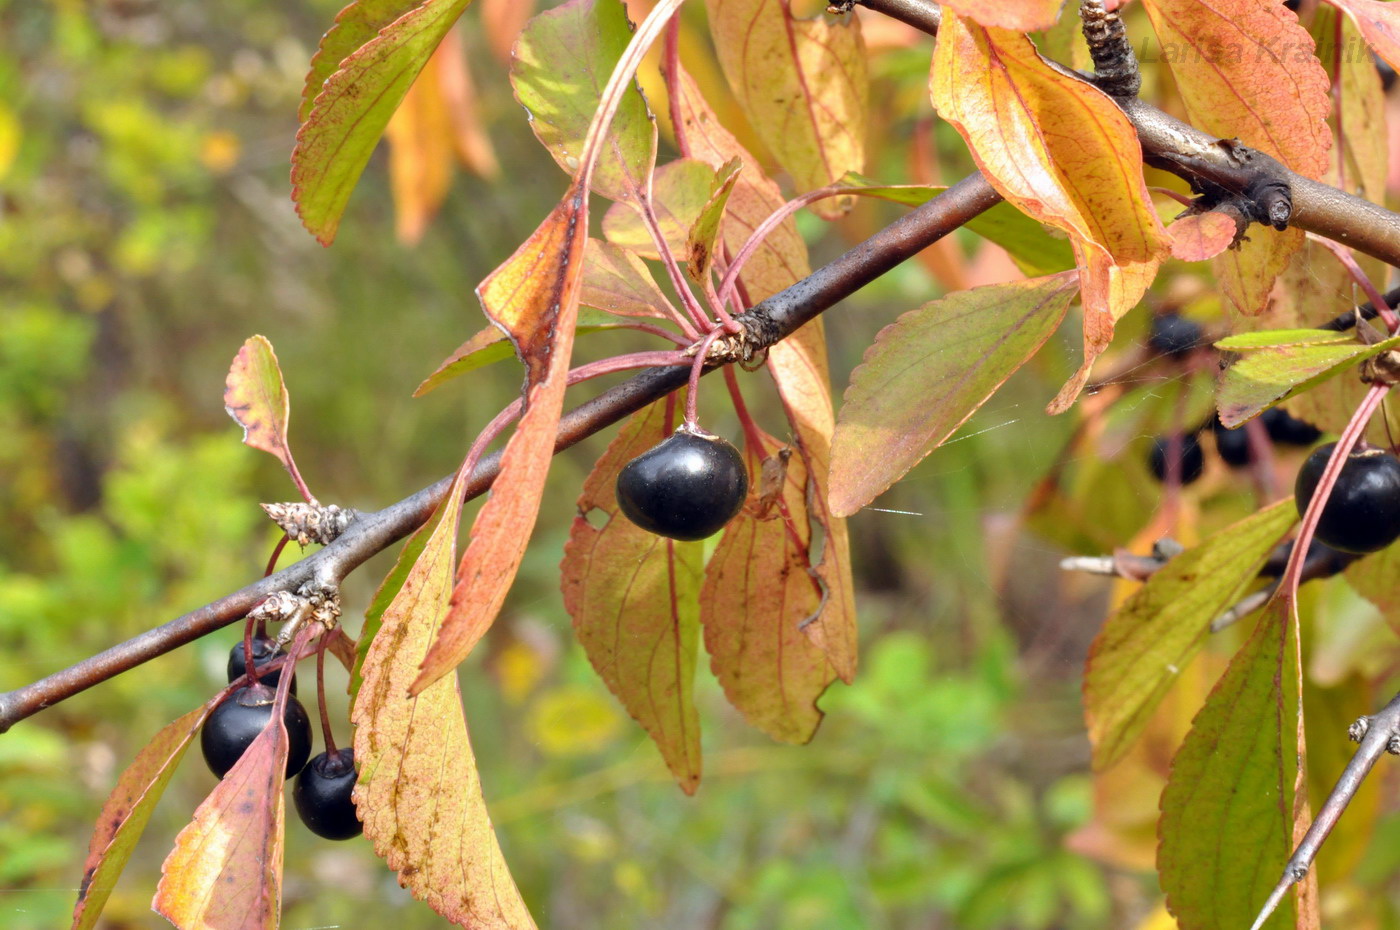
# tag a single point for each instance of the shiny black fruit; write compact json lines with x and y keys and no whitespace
{"x":235,"y":723}
{"x":322,"y":796}
{"x":1287,"y":429}
{"x":1174,"y":335}
{"x":1363,"y":513}
{"x":1322,"y":561}
{"x":686,"y":487}
{"x":1232,"y":445}
{"x":264,"y":651}
{"x":1193,"y":460}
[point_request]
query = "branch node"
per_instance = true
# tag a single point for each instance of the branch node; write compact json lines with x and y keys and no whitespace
{"x":1115,"y":65}
{"x":308,"y":523}
{"x":1392,"y":745}
{"x":1358,"y":730}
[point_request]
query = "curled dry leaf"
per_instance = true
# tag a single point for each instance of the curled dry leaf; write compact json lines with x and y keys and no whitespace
{"x":633,"y":598}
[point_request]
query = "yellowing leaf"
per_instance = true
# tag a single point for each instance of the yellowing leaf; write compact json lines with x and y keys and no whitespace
{"x":632,"y":596}
{"x":1360,"y":117}
{"x":127,"y":811}
{"x":340,"y":130}
{"x":702,"y":240}
{"x":680,"y":190}
{"x":929,"y":371}
{"x":1252,"y":84}
{"x":1016,"y":15}
{"x":1151,"y":638}
{"x":1379,"y":23}
{"x":419,"y":793}
{"x":1235,"y":798}
{"x":615,"y":280}
{"x":802,"y":83}
{"x":759,"y":589}
{"x":256,"y":397}
{"x":559,"y":68}
{"x":226,"y":868}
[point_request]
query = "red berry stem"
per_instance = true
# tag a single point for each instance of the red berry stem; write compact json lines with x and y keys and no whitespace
{"x":326,"y":734}
{"x":1343,"y":254}
{"x":697,"y":368}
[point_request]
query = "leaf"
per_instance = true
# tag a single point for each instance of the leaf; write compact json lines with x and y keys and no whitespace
{"x":781,"y":259}
{"x":534,"y":297}
{"x":1150,"y":639}
{"x":1016,"y":15}
{"x":419,"y":792}
{"x":1360,"y":127}
{"x":759,"y":589}
{"x":355,"y":26}
{"x":799,"y":369}
{"x":704,"y":232}
{"x":127,"y":811}
{"x":1260,"y":84}
{"x":928,"y":372}
{"x":502,"y":21}
{"x":1262,"y":378}
{"x":617,"y":281}
{"x":1377,"y":578}
{"x":802,"y":83}
{"x":339,"y":133}
{"x":1200,"y":236}
{"x":559,"y":67}
{"x":1235,"y":799}
{"x":1284,"y":338}
{"x":633,"y":599}
{"x":1379,"y":24}
{"x":256,"y":397}
{"x":226,"y":868}
{"x":680,"y":190}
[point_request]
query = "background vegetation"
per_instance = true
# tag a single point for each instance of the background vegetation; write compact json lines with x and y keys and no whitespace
{"x":145,"y":231}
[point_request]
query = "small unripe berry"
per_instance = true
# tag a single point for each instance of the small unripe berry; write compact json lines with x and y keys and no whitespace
{"x":1363,"y":512}
{"x":686,"y":487}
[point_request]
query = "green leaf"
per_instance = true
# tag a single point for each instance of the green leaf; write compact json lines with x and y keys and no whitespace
{"x":127,"y":811}
{"x":1229,"y":810}
{"x":1279,"y":338}
{"x":704,"y":233}
{"x":928,"y":372}
{"x":561,"y":63}
{"x":1035,"y":248}
{"x":354,"y":26}
{"x":355,"y":104}
{"x":1264,"y":376}
{"x":1148,"y":641}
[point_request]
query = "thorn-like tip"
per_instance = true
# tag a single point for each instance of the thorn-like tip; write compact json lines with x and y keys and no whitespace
{"x":1275,"y":897}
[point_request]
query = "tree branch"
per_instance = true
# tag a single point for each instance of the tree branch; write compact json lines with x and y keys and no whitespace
{"x":766,"y":324}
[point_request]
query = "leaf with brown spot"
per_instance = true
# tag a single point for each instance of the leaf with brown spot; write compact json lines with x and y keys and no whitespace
{"x":803,"y":85}
{"x":704,"y":232}
{"x":1200,"y":236}
{"x":419,"y":792}
{"x":759,"y":590}
{"x":1252,"y":82}
{"x":226,"y":868}
{"x":256,"y":397}
{"x":127,"y":811}
{"x":1016,"y":15}
{"x":633,"y":599}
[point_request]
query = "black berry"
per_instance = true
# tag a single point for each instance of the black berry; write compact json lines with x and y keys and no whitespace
{"x":235,"y":723}
{"x":322,"y":796}
{"x":1287,"y":429}
{"x":1386,"y":72}
{"x":1322,"y":560}
{"x":1193,"y":461}
{"x":686,"y":487}
{"x":1363,"y":513}
{"x":1174,"y":335}
{"x":264,"y":651}
{"x":1232,"y":445}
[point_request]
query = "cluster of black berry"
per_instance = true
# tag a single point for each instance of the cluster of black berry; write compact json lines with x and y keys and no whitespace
{"x":1232,"y":445}
{"x":323,"y":785}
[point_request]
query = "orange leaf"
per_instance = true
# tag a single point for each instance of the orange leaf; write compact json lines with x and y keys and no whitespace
{"x":799,"y":369}
{"x":1056,"y":147}
{"x":502,"y":21}
{"x":127,"y":811}
{"x":256,"y":397}
{"x":632,"y":595}
{"x":419,"y":793}
{"x":534,"y":297}
{"x":1016,"y":15}
{"x":469,"y":138}
{"x":225,"y":871}
{"x":803,"y":85}
{"x":1241,"y":76}
{"x":758,"y":591}
{"x":1201,"y":236}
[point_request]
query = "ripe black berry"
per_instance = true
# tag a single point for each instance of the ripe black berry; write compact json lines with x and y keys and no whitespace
{"x":1174,"y":335}
{"x":322,"y":796}
{"x":235,"y":723}
{"x":1232,"y":445}
{"x":1363,"y":513}
{"x":1287,"y":429}
{"x":264,"y":651}
{"x":1193,"y":461}
{"x":686,"y":487}
{"x":1386,"y":72}
{"x":1322,"y":560}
